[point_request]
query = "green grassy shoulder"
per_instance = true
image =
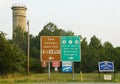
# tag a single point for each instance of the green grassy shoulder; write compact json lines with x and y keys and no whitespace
{"x":57,"y":77}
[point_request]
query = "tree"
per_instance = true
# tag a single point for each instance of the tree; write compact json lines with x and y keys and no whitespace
{"x":108,"y":45}
{"x":84,"y":56}
{"x":95,"y":43}
{"x":50,"y":30}
{"x":20,"y":38}
{"x":62,"y":32}
{"x":116,"y":59}
{"x":69,"y":33}
{"x":12,"y":58}
{"x":95,"y":48}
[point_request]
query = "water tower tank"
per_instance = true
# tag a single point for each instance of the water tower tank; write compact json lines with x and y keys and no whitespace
{"x":19,"y":16}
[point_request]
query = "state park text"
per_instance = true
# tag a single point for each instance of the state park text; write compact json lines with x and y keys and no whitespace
{"x":60,"y":48}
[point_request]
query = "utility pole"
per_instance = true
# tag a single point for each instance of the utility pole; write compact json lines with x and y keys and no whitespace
{"x":28,"y":52}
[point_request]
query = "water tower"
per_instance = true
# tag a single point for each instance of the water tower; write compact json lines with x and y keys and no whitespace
{"x":19,"y":16}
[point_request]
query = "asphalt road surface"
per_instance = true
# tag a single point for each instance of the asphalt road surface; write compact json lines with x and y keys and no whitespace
{"x":72,"y":83}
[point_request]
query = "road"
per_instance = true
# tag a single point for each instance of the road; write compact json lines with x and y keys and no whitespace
{"x":72,"y":83}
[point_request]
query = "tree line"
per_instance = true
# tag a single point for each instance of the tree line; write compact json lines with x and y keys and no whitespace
{"x":13,"y":52}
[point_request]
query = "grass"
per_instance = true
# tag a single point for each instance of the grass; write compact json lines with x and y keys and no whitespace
{"x":56,"y":77}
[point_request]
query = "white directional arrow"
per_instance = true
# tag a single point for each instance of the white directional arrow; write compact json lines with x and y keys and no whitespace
{"x":71,"y":58}
{"x":51,"y":58}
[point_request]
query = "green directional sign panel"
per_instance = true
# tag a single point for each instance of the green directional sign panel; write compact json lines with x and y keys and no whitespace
{"x":70,"y":48}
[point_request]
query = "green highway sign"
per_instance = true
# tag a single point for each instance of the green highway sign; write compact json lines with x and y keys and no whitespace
{"x":70,"y":48}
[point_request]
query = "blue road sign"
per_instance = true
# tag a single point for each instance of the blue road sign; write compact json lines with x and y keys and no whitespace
{"x":66,"y":66}
{"x":106,"y":66}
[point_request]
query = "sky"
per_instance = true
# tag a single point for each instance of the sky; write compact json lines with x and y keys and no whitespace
{"x":84,"y":17}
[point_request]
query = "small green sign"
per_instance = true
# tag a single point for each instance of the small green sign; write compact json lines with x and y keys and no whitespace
{"x":70,"y":48}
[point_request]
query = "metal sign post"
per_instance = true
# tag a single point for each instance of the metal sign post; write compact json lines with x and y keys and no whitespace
{"x":72,"y":70}
{"x":50,"y":50}
{"x":50,"y":58}
{"x":48,"y":70}
{"x":70,"y":50}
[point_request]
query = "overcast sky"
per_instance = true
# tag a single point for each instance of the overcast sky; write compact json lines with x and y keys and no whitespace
{"x":83,"y":17}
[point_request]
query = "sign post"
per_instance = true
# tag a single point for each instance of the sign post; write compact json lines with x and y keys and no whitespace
{"x":73,"y":71}
{"x":50,"y":50}
{"x":70,"y":50}
{"x":66,"y":47}
{"x":48,"y":70}
{"x":106,"y":66}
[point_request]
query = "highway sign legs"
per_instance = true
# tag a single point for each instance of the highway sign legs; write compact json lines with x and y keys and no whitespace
{"x":48,"y":70}
{"x":73,"y":71}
